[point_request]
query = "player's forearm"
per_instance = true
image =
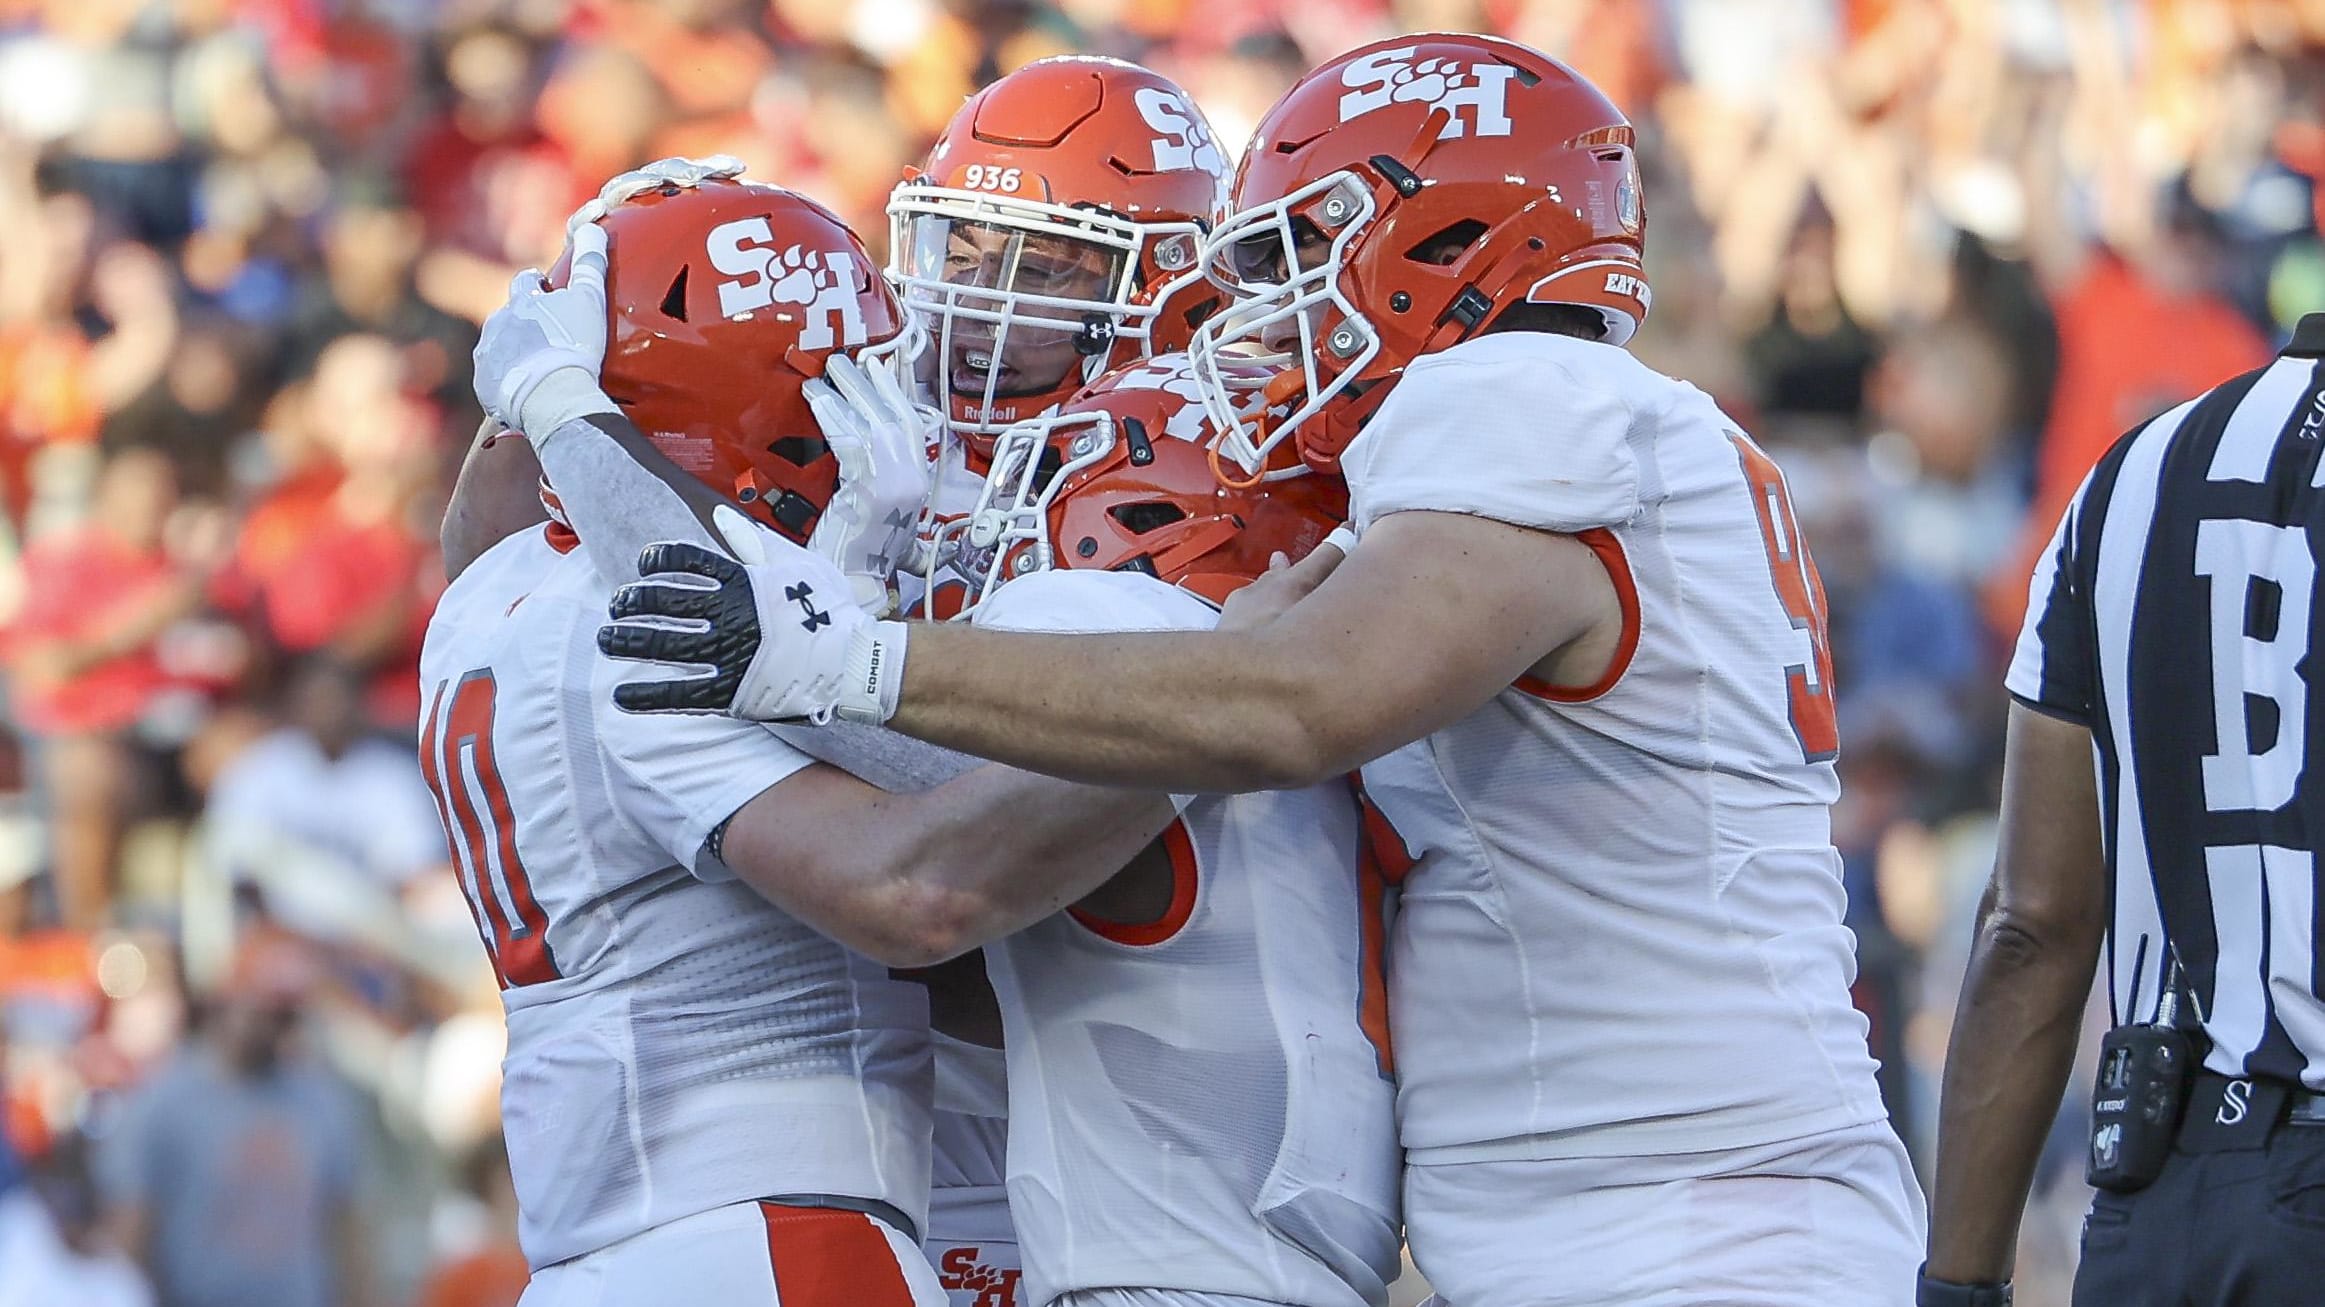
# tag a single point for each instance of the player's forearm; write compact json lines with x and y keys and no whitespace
{"x":997,"y":850}
{"x":2006,"y":1067}
{"x":913,"y":879}
{"x":1187,"y":712}
{"x":621,"y":494}
{"x":496,"y":495}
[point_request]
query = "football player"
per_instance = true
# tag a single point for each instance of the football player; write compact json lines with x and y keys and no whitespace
{"x":706,"y":1100}
{"x":1578,"y":650}
{"x":1200,"y":1084}
{"x":1237,"y":942}
{"x":1049,"y":237}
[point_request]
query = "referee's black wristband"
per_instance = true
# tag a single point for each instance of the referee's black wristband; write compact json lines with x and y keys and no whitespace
{"x":1928,"y":1292}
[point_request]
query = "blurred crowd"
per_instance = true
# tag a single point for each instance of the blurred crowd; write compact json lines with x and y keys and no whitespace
{"x":1936,"y":254}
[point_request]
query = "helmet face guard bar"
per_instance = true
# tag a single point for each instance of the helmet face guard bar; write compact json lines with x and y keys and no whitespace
{"x":1013,"y":505}
{"x":996,"y":300}
{"x":1255,"y":256}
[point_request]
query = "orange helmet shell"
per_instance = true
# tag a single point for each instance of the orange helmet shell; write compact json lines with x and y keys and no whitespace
{"x":1082,"y":147}
{"x":1455,"y":175}
{"x":1135,"y":491}
{"x":725,"y":298}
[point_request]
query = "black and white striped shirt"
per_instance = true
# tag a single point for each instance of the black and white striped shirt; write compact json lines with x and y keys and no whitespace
{"x":2174,"y":613}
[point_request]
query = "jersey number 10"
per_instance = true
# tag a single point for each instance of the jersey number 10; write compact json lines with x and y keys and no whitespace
{"x":456,"y":758}
{"x":1809,"y":682}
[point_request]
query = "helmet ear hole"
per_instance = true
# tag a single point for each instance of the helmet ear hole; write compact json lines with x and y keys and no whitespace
{"x":1138,"y":519}
{"x":674,"y":299}
{"x":1447,"y":244}
{"x":797,"y":450}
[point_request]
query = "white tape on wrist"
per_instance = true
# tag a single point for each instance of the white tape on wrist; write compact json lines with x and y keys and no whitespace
{"x":565,"y":395}
{"x":872,"y":677}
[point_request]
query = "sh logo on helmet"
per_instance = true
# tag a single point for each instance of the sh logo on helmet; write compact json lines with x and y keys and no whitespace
{"x":823,"y":281}
{"x":1185,"y":142}
{"x":1391,"y":77}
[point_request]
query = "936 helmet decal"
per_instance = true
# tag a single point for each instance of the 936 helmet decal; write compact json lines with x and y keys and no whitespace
{"x":1185,"y":139}
{"x":821,"y":280}
{"x":1388,"y":77}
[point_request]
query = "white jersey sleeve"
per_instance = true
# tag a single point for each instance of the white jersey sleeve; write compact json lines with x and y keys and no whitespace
{"x":686,"y":772}
{"x":1522,"y":428}
{"x":1074,"y":603}
{"x":2053,"y":668}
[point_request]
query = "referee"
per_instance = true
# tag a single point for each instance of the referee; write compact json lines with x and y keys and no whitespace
{"x":2158,"y":801}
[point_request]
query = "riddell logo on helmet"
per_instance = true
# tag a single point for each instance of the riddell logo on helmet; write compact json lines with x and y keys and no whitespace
{"x":821,"y":280}
{"x":1391,"y":77}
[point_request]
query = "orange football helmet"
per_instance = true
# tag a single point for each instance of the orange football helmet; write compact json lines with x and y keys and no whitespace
{"x":1391,"y":204}
{"x":726,"y":297}
{"x":1052,"y":235}
{"x":1120,"y":479}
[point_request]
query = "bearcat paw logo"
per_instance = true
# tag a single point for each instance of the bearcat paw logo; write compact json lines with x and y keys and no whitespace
{"x":797,"y":275}
{"x":1429,"y":81}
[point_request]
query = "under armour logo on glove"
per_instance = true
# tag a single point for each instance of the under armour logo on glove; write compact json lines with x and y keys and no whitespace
{"x":803,"y":594}
{"x":747,"y":635}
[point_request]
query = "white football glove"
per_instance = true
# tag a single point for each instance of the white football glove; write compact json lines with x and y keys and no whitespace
{"x":773,"y":625}
{"x":540,"y":332}
{"x":662,"y":172}
{"x":882,"y":443}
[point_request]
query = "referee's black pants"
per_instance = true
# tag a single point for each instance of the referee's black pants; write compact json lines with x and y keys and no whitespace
{"x":2237,"y":1219}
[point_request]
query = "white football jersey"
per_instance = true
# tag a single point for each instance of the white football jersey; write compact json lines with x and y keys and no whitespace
{"x":676,"y":1042}
{"x":1195,"y":1104}
{"x":1623,"y":931}
{"x":971,"y":1240}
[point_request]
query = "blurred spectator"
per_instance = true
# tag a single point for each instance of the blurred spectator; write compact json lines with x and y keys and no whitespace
{"x":371,"y":247}
{"x":88,"y":667}
{"x":331,"y":820}
{"x":492,"y":1274}
{"x":1811,"y":356}
{"x":85,"y":327}
{"x":337,"y":557}
{"x":54,"y":1246}
{"x":195,"y":414}
{"x":1951,"y":497}
{"x":231,"y":1172}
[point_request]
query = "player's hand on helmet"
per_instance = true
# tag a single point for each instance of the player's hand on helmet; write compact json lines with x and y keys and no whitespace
{"x":542,"y":332}
{"x":660,"y":173}
{"x":1285,"y":583}
{"x":882,"y":443}
{"x":766,"y":633}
